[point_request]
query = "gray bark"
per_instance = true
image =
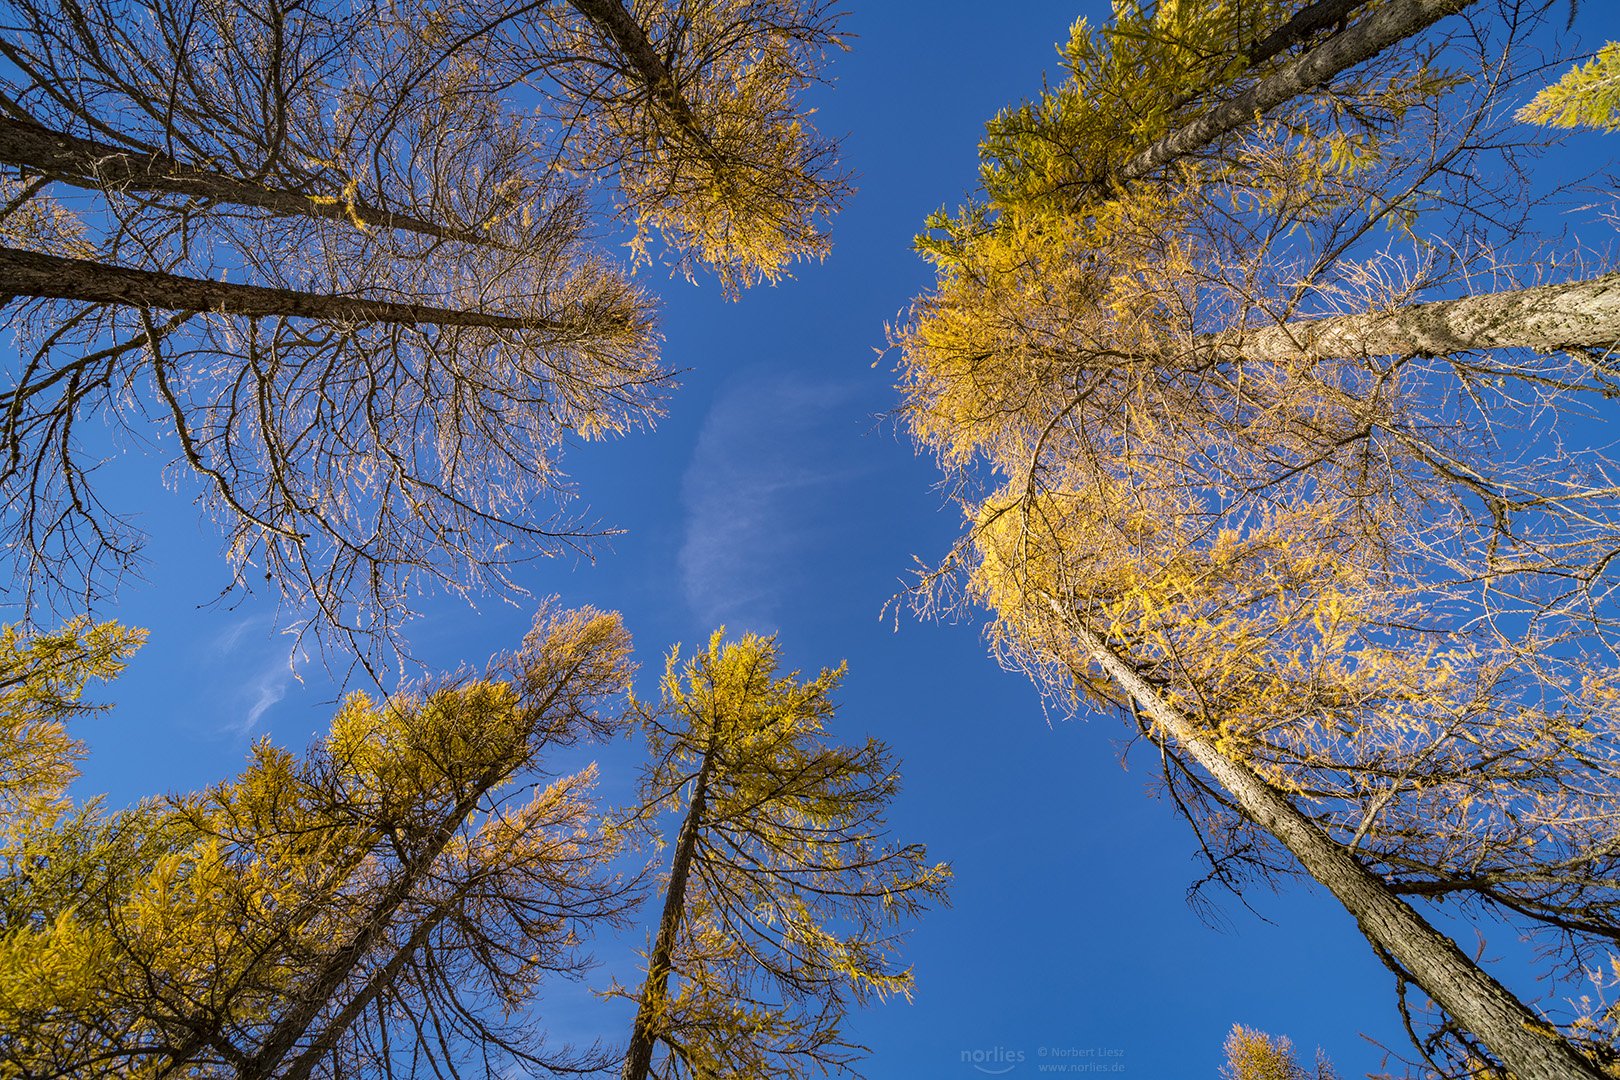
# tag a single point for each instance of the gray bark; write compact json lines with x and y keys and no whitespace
{"x":1530,"y":1047}
{"x":29,"y":273}
{"x":1344,"y":50}
{"x":1547,"y":318}
{"x":1301,"y":25}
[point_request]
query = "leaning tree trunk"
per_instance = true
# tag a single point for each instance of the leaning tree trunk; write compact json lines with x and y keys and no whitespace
{"x":1360,"y":42}
{"x":655,"y":990}
{"x":294,"y":1024}
{"x":32,"y":274}
{"x":1546,"y":318}
{"x":1531,"y":1048}
{"x":630,"y":38}
{"x":89,"y":163}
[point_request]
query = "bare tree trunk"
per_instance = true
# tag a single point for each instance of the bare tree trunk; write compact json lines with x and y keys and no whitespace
{"x":1547,"y":318}
{"x":1531,"y":1048}
{"x":88,"y":163}
{"x":655,"y":990}
{"x":1344,"y":50}
{"x":630,"y":38}
{"x":29,"y":273}
{"x":1301,"y":25}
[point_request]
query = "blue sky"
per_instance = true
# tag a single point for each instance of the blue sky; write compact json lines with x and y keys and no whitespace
{"x":775,"y":496}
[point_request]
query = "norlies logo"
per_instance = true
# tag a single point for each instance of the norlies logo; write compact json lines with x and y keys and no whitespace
{"x":995,"y":1061}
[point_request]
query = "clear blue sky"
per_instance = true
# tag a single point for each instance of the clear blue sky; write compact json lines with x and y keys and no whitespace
{"x":774,"y":497}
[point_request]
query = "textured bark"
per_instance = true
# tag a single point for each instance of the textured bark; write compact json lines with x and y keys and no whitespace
{"x":655,"y":990}
{"x":630,"y":38}
{"x":1301,"y":25}
{"x":1309,"y":20}
{"x":1344,"y":50}
{"x":87,"y":163}
{"x":29,"y":273}
{"x":1547,"y":318}
{"x":1530,"y":1047}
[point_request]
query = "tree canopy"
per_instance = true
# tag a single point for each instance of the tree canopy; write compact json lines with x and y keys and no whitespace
{"x":384,"y":904}
{"x":1265,"y":442}
{"x":786,"y":900}
{"x":343,"y":262}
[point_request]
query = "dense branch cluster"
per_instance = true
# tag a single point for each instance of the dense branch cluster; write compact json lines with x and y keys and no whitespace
{"x":1207,"y":438}
{"x":382,"y":903}
{"x":337,"y":259}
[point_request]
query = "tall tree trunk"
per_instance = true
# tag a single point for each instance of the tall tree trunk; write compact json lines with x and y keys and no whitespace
{"x":1547,"y":318}
{"x":630,"y":39}
{"x":655,"y":990}
{"x":1308,"y":20}
{"x":1530,"y":1047}
{"x":1366,"y":39}
{"x":1302,"y":24}
{"x":29,"y":273}
{"x":88,"y":163}
{"x":292,"y":1025}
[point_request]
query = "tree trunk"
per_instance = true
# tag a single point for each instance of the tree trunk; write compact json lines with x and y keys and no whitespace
{"x":87,"y":163}
{"x":292,"y":1025}
{"x":630,"y":38}
{"x":1366,"y":39}
{"x":655,"y":991}
{"x":1531,"y":1048}
{"x":1301,"y":25}
{"x":1546,"y":318}
{"x":29,"y":273}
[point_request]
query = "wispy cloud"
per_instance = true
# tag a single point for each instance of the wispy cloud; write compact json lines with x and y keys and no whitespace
{"x":250,"y":645}
{"x":768,"y":463}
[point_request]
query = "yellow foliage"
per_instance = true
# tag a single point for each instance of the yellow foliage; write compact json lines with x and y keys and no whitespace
{"x":795,"y":898}
{"x":1254,"y":1055}
{"x":1587,"y":96}
{"x":1371,"y":580}
{"x":191,"y":933}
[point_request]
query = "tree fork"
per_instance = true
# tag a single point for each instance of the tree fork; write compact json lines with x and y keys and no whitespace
{"x":1301,"y":25}
{"x":1530,"y":1047}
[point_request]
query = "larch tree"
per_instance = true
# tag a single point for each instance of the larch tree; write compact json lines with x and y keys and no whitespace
{"x":1254,"y":1055}
{"x":785,"y":900}
{"x":1266,"y":443}
{"x":385,"y":904}
{"x":338,"y":259}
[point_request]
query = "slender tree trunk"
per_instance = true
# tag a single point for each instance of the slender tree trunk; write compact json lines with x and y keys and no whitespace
{"x":1530,"y":1047}
{"x":291,"y":1026}
{"x":1366,"y":39}
{"x":1547,"y":318}
{"x":88,"y":163}
{"x":655,"y":990}
{"x":29,"y":273}
{"x":326,"y":1040}
{"x":630,"y":38}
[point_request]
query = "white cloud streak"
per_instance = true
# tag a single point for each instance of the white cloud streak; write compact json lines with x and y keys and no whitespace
{"x":762,"y":481}
{"x":268,"y":660}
